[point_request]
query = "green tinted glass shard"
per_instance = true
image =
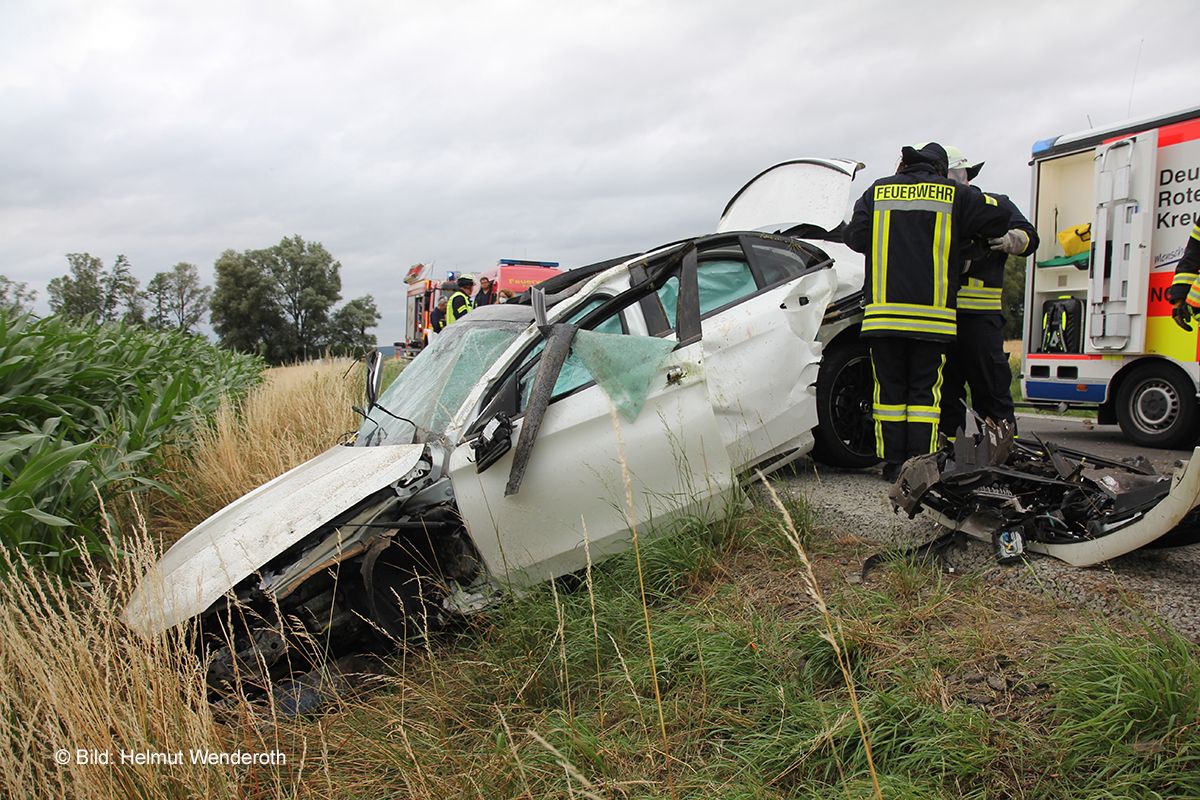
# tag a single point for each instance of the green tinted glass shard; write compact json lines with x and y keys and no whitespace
{"x":625,"y":367}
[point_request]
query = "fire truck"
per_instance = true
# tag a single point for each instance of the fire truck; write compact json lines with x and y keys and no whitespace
{"x":424,"y":291}
{"x":515,"y":275}
{"x":1114,"y":208}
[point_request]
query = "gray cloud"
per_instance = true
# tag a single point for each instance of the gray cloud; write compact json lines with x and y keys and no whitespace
{"x":462,"y":133}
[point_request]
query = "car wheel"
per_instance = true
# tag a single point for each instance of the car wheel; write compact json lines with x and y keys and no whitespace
{"x":845,"y":435}
{"x":1156,"y":407}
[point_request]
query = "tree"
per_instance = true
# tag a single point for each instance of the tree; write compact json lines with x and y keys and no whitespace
{"x":277,"y":301}
{"x":16,"y":295}
{"x":107,"y":295}
{"x":78,"y":294}
{"x":1013,"y":298}
{"x":308,"y":283}
{"x":158,"y":293}
{"x":177,"y":300}
{"x":245,"y":313}
{"x":348,"y":328}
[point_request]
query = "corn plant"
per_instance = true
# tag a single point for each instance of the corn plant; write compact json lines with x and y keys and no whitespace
{"x":84,"y":412}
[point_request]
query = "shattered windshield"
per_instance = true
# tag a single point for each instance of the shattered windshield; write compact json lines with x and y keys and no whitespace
{"x":430,"y":390}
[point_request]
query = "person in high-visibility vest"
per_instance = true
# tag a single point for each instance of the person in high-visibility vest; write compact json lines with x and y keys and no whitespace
{"x":912,"y":227}
{"x":1184,"y":292}
{"x":977,"y":358}
{"x":460,"y":301}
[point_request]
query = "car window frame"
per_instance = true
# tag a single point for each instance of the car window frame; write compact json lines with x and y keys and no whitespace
{"x":647,"y":276}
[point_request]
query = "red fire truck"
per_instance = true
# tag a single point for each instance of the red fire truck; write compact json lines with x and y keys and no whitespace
{"x":424,"y":291}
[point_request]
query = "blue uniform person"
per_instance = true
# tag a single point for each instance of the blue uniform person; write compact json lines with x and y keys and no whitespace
{"x":912,"y":227}
{"x":977,"y":358}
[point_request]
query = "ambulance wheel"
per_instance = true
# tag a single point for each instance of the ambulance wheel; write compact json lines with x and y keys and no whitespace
{"x":1156,"y":407}
{"x":845,"y":434}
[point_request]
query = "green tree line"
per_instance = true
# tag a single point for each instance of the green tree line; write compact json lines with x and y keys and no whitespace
{"x":277,"y":302}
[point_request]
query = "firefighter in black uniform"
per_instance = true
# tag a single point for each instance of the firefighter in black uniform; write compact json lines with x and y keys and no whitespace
{"x":977,"y":358}
{"x":1184,"y":292}
{"x":911,"y":227}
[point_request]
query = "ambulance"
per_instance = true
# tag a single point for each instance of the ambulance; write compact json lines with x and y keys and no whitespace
{"x":1114,"y":208}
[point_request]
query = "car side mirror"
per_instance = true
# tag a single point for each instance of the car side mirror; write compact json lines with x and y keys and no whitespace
{"x":374,"y":376}
{"x":494,"y":441}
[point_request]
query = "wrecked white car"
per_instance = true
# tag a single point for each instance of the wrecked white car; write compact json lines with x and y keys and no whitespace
{"x":502,"y":446}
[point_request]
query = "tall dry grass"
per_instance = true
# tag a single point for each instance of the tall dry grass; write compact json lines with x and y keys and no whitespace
{"x":298,"y":412}
{"x":74,"y":678}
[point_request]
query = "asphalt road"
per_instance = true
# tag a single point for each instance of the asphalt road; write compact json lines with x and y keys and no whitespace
{"x":1103,"y":440}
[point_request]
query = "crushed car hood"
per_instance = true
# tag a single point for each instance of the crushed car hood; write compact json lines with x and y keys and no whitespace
{"x":231,"y":544}
{"x":813,"y":191}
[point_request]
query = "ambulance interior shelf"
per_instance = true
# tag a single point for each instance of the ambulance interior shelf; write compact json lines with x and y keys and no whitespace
{"x":1078,"y":261}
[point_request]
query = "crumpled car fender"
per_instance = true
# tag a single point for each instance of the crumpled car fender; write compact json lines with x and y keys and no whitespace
{"x":1155,"y":524}
{"x":240,"y":538}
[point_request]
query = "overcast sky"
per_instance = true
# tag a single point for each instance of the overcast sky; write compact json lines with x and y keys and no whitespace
{"x":458,"y":133}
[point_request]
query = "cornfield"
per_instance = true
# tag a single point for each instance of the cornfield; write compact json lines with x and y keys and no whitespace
{"x":85,"y":412}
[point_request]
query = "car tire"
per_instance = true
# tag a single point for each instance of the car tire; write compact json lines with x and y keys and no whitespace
{"x":1156,"y":407}
{"x":844,"y":436}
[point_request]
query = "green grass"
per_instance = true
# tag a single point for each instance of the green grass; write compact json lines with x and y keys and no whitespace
{"x":545,"y":699}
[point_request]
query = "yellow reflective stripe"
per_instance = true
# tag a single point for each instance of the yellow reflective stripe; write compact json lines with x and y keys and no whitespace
{"x":908,"y":326}
{"x":1193,"y":295}
{"x":945,"y":220}
{"x":937,"y":403}
{"x":877,"y":257}
{"x":975,"y":282}
{"x":890,"y":416}
{"x":937,"y":263}
{"x":910,"y":309}
{"x":878,"y":422}
{"x":923,"y":416}
{"x":1196,"y":232}
{"x":980,"y":291}
{"x":976,"y":304}
{"x":1184,"y":277}
{"x":991,"y":201}
{"x":887,"y":242}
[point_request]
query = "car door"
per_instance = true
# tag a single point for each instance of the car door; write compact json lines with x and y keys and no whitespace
{"x":574,"y":486}
{"x":761,"y":302}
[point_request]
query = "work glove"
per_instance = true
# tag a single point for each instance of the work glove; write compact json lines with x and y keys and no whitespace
{"x":1014,"y":242}
{"x":1182,"y":313}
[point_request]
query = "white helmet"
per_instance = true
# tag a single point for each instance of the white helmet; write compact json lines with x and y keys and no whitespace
{"x":957,"y":160}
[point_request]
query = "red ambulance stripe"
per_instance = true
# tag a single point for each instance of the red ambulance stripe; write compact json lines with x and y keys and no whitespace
{"x":1169,"y":134}
{"x":1062,"y":357}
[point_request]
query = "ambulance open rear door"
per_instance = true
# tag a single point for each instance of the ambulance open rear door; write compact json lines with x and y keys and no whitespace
{"x":1120,"y":265}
